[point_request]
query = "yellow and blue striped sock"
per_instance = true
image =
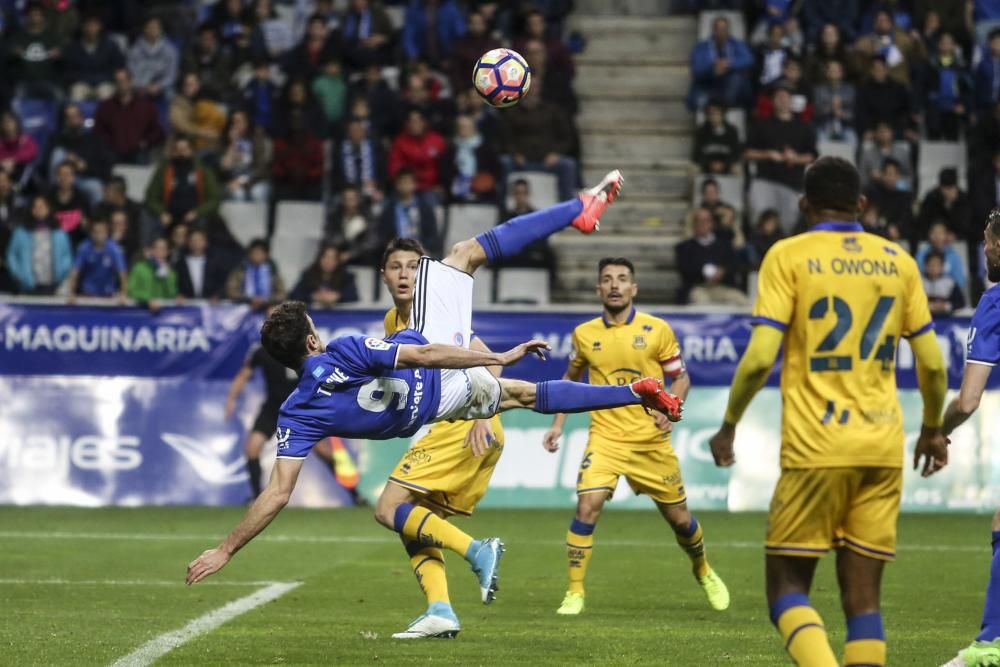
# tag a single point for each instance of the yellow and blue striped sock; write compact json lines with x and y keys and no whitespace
{"x":865,"y":645}
{"x":692,"y":542}
{"x":428,"y":566}
{"x":420,"y":525}
{"x":803,"y":631}
{"x":579,"y":547}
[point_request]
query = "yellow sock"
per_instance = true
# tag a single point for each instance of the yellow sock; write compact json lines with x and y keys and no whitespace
{"x":421,"y":525}
{"x":865,"y":645}
{"x":694,"y":546}
{"x":579,"y":547}
{"x":803,"y":631}
{"x":428,"y":566}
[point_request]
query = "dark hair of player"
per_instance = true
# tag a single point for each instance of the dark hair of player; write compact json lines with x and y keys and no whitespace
{"x":832,"y":184}
{"x":993,"y":222}
{"x":284,"y":333}
{"x":402,"y":245}
{"x":616,"y":261}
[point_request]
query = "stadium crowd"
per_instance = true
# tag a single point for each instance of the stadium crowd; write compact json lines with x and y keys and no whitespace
{"x":874,"y":81}
{"x":258,"y":101}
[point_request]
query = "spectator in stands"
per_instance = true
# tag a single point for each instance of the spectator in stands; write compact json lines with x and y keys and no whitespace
{"x":35,"y":50}
{"x":720,"y":69}
{"x":830,"y":47}
{"x":374,"y":101}
{"x":835,"y":101}
{"x":350,"y":225}
{"x":153,"y":60}
{"x":781,"y":146}
{"x":17,"y":149}
{"x":421,"y":150}
{"x":260,"y":95}
{"x":883,"y":99}
{"x":200,"y":272}
{"x":272,"y":35}
{"x":559,"y":60}
{"x":99,"y":269}
{"x":537,"y":137}
{"x":986,"y":17}
{"x":775,"y":12}
{"x":8,"y":208}
{"x":874,"y":153}
{"x":39,"y":254}
{"x":152,"y":280}
{"x":430,"y":30}
{"x":417,"y":94}
{"x":469,"y":47}
{"x":257,"y":280}
{"x":91,"y":62}
{"x":330,"y":91}
{"x":801,"y":95}
{"x":409,"y":215}
{"x":70,"y":205}
{"x":947,"y":91}
{"x":326,"y":282}
{"x":539,"y":254}
{"x":891,"y":193}
{"x":939,"y":241}
{"x":317,"y":48}
{"x":128,"y":241}
{"x":486,"y":117}
{"x":183,"y":188}
{"x":128,"y":123}
{"x":711,"y":196}
{"x":195,"y":114}
{"x":771,"y":56}
{"x":899,"y":50}
{"x":358,"y":162}
{"x":246,"y":155}
{"x":936,"y":16}
{"x":471,"y":167}
{"x":213,"y":63}
{"x":366,"y":35}
{"x":297,"y":163}
{"x":80,"y":147}
{"x":944,"y":296}
{"x":819,"y":13}
{"x":177,"y":239}
{"x":766,"y":232}
{"x":116,"y":199}
{"x":707,"y":264}
{"x":987,"y":76}
{"x":946,"y":203}
{"x":728,"y":225}
{"x":716,"y":142}
{"x":298,"y":105}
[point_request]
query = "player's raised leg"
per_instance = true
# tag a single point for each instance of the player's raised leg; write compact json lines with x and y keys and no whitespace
{"x":420,"y":527}
{"x":555,"y":396}
{"x":789,"y":579}
{"x":689,"y":536}
{"x":985,"y":650}
{"x":510,"y":238}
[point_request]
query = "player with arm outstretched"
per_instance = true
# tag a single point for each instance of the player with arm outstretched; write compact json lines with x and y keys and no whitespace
{"x":618,"y":348}
{"x":361,"y":387}
{"x":839,"y":300}
{"x":982,"y":355}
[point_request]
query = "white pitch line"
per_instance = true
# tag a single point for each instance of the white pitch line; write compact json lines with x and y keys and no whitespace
{"x":126,"y":582}
{"x":159,"y":646}
{"x":373,"y":539}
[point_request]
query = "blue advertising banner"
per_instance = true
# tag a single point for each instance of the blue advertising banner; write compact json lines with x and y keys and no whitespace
{"x":121,"y":406}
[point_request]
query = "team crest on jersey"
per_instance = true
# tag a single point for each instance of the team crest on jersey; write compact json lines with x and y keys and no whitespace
{"x":377,"y":344}
{"x":639,"y":342}
{"x":851,"y":244}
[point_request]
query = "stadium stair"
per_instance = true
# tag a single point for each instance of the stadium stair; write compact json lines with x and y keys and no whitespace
{"x":631,"y":80}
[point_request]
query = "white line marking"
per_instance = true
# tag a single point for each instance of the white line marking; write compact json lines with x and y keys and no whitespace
{"x":179,"y":583}
{"x":373,"y":539}
{"x":159,"y":646}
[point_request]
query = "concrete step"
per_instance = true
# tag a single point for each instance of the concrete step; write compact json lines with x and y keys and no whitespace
{"x":623,"y":7}
{"x":658,"y":250}
{"x":676,"y":26}
{"x":643,"y":58}
{"x":628,"y":36}
{"x":639,"y":148}
{"x":643,"y":81}
{"x":666,"y":182}
{"x":598,"y":109}
{"x":646,"y":217}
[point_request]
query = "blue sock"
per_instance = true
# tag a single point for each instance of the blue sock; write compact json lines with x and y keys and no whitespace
{"x":564,"y":396}
{"x":692,"y":528}
{"x":510,"y":238}
{"x":473,"y":548}
{"x":441,"y":609}
{"x":399,"y":519}
{"x":865,"y":626}
{"x":580,"y":528}
{"x":991,"y":610}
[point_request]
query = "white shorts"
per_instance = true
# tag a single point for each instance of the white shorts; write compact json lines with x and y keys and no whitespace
{"x":442,"y":303}
{"x":471,"y":393}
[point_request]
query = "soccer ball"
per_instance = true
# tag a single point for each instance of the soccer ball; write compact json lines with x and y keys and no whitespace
{"x":501,"y":77}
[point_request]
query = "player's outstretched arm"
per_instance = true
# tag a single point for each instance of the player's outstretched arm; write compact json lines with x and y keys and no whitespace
{"x":261,"y":513}
{"x":435,"y":355}
{"x":932,"y":379}
{"x":974,"y":379}
{"x":751,"y":374}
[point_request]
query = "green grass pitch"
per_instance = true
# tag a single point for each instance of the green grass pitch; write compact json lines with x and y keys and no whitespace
{"x":357,"y":589}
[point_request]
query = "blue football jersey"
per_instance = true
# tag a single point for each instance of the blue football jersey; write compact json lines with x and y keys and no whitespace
{"x":353,"y":390}
{"x":984,"y":334}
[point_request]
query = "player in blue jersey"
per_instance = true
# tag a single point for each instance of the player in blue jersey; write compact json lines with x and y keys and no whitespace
{"x":982,"y":355}
{"x":361,"y":387}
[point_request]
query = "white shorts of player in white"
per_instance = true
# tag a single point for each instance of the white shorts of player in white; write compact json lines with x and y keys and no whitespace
{"x":442,"y":313}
